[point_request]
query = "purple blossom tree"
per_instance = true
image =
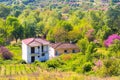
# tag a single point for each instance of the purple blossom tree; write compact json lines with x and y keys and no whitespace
{"x":111,"y":39}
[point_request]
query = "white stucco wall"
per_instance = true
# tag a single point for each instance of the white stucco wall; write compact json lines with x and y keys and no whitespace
{"x":28,"y":54}
{"x":51,"y":53}
{"x":24,"y":52}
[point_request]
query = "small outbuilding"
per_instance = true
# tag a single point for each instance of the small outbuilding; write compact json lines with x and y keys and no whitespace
{"x":60,"y":48}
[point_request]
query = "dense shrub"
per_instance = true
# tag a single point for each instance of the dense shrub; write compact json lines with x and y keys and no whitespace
{"x":5,"y":53}
{"x":55,"y":63}
{"x":87,"y":67}
{"x":111,"y":39}
{"x":89,"y":51}
{"x":72,"y":62}
{"x":42,"y":65}
{"x":2,"y":41}
{"x":22,"y":61}
{"x":66,"y":57}
{"x":83,"y":44}
{"x":111,"y":67}
{"x":115,"y":47}
{"x":98,"y":55}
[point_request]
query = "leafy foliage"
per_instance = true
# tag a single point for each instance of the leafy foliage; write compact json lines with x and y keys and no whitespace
{"x":5,"y":53}
{"x":111,"y":39}
{"x":87,"y":67}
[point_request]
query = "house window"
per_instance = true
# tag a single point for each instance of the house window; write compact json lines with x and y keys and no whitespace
{"x":42,"y":47}
{"x":56,"y":53}
{"x":65,"y":51}
{"x":43,"y":54}
{"x":38,"y":47}
{"x":38,"y":56}
{"x":73,"y":51}
{"x":32,"y":50}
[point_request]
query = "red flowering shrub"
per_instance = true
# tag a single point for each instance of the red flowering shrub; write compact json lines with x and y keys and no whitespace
{"x":5,"y":53}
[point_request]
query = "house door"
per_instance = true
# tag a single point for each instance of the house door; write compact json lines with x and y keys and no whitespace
{"x":32,"y":58}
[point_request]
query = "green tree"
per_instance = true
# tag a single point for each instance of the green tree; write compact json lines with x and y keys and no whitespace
{"x":113,"y":18}
{"x":2,"y":32}
{"x":89,"y":51}
{"x":40,"y":29}
{"x":82,"y":44}
{"x":29,"y":21}
{"x":17,"y":29}
{"x":4,"y":11}
{"x":97,"y":20}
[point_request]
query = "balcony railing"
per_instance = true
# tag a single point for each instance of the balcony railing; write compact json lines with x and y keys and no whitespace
{"x":34,"y":54}
{"x":38,"y":53}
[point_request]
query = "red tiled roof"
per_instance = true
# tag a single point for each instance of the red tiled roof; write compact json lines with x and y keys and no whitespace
{"x":35,"y":41}
{"x":27,"y":41}
{"x":64,"y":46}
{"x":54,"y":45}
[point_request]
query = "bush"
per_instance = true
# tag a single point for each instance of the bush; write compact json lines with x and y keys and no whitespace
{"x":22,"y":61}
{"x":98,"y":55}
{"x":66,"y":57}
{"x":115,"y":47}
{"x":79,"y":70}
{"x":83,"y":44}
{"x":2,"y":41}
{"x":54,"y":63}
{"x":42,"y":65}
{"x":5,"y":53}
{"x":111,"y":39}
{"x":87,"y":67}
{"x":111,"y":67}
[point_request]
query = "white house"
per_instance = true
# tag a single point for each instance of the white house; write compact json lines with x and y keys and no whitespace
{"x":35,"y":49}
{"x":41,"y":49}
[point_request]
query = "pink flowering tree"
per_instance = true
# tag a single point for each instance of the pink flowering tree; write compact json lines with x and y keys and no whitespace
{"x":110,"y":40}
